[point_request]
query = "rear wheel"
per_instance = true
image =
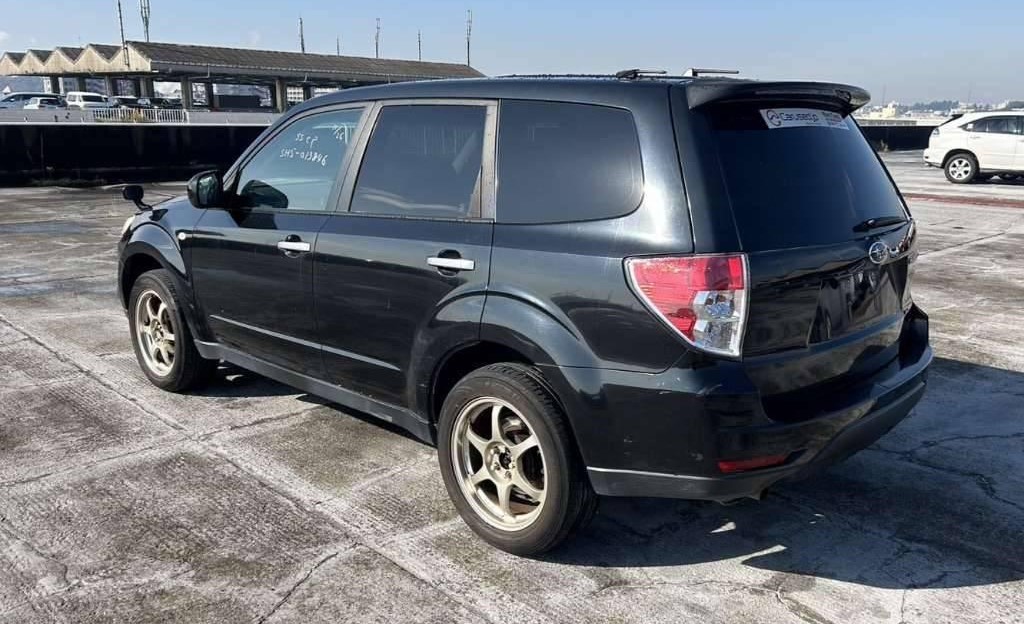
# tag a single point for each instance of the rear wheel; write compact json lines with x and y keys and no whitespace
{"x":961,"y":168}
{"x":509,"y":462}
{"x":161,"y":338}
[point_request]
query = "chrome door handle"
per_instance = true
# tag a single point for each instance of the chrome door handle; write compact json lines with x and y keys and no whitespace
{"x":452,"y":264}
{"x":294,"y":246}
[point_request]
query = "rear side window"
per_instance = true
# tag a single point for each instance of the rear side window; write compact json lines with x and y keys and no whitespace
{"x":566,"y":162}
{"x":809,"y":179}
{"x":423,"y":161}
{"x":995,"y":125}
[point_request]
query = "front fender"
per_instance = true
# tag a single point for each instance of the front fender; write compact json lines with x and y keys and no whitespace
{"x":147,"y":246}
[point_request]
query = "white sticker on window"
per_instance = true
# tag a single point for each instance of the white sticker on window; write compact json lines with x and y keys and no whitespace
{"x":802,"y":117}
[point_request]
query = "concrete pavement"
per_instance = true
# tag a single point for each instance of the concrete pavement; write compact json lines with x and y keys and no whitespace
{"x":252,"y":502}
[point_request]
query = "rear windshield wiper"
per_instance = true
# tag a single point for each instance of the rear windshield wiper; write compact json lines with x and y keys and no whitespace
{"x":877,"y":222}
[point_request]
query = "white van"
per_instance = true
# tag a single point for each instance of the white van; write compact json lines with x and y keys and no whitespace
{"x":85,"y":99}
{"x":977,"y":146}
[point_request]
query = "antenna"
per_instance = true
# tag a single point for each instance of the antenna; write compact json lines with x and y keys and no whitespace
{"x":302,"y":37}
{"x":376,"y":41}
{"x":124,"y":44}
{"x":144,"y":10}
{"x":419,"y":44}
{"x":469,"y":32}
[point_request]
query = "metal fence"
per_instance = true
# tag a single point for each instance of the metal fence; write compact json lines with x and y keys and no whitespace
{"x":132,"y":116}
{"x":139,"y":115}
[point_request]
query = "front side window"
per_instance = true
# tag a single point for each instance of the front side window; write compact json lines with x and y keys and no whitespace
{"x":566,"y":162}
{"x":423,"y":161}
{"x":296,"y":170}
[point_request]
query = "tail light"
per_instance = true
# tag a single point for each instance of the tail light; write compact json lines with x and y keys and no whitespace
{"x":935,"y":132}
{"x":703,"y":298}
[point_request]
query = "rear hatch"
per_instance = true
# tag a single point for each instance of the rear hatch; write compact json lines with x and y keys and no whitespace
{"x":828,"y":240}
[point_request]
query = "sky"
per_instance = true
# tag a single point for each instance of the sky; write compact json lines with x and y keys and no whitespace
{"x":907,"y":50}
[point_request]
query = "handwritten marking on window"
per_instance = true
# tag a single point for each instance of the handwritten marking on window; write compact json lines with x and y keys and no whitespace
{"x":308,"y":155}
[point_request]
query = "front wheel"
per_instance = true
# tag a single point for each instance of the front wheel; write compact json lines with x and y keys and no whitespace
{"x":961,"y":169}
{"x":509,"y":462}
{"x":161,"y":338}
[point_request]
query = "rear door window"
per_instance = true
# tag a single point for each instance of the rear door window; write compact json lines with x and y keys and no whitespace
{"x":566,"y":162}
{"x":798,"y":176}
{"x":423,"y":160}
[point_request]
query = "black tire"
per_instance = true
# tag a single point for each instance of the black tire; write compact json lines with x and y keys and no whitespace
{"x":961,"y":168}
{"x":570,"y":502}
{"x":188,"y":369}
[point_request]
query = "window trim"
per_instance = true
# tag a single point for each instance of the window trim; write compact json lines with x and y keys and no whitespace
{"x":488,"y":161}
{"x":233,"y":173}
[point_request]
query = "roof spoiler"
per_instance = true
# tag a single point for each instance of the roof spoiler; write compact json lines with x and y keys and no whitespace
{"x":846,"y":97}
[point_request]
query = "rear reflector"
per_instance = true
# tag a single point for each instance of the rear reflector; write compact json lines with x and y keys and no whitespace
{"x":741,"y":465}
{"x":703,"y":298}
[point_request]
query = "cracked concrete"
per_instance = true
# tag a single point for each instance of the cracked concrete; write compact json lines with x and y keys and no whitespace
{"x":254,"y":502}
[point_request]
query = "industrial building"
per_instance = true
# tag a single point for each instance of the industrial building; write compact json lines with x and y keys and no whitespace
{"x":141,"y":64}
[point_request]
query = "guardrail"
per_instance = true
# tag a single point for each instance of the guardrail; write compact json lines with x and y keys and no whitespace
{"x":132,"y":116}
{"x":139,"y":115}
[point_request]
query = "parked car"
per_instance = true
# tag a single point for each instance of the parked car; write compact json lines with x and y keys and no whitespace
{"x":161,"y":102}
{"x":127,"y":101}
{"x":978,"y":146}
{"x":45,"y":103}
{"x":693,"y":288}
{"x":84,"y":99}
{"x":19,"y":99}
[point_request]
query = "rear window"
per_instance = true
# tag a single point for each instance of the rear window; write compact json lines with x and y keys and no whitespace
{"x":807,"y":179}
{"x":92,"y":98}
{"x":566,"y":162}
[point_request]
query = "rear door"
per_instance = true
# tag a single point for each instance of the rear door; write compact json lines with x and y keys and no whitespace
{"x":252,"y":259}
{"x":412,"y":235}
{"x":1018,"y":160}
{"x":828,"y":240}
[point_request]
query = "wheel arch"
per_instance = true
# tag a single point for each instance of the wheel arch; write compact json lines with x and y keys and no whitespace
{"x":149,"y":248}
{"x":955,"y":151}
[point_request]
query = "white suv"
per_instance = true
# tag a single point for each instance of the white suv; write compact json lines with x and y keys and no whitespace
{"x":978,"y":146}
{"x":85,"y":99}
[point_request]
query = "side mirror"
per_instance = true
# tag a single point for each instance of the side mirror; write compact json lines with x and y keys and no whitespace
{"x":205,"y":190}
{"x":134,"y":193}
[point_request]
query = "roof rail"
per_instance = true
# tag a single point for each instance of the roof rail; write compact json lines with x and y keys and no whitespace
{"x":696,"y":72}
{"x":633,"y":74}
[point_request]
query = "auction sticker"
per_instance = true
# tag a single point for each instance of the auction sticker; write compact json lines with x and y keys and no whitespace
{"x":801,"y":118}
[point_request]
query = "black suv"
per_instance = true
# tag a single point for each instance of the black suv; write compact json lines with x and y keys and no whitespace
{"x":621,"y":286}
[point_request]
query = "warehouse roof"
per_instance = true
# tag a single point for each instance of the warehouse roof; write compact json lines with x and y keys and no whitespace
{"x":171,"y":61}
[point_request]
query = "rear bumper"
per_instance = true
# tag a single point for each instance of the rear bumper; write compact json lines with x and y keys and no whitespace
{"x":856,"y":435}
{"x":933,"y":157}
{"x":663,"y":434}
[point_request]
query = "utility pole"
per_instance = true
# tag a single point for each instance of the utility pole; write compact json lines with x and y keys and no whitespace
{"x":469,"y":32}
{"x":337,"y":45}
{"x":419,"y":44}
{"x":376,"y":41}
{"x":302,"y":37}
{"x":145,"y":11}
{"x":124,"y":43}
